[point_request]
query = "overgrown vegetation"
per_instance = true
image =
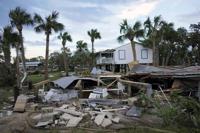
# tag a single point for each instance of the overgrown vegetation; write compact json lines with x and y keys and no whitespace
{"x":184,"y":111}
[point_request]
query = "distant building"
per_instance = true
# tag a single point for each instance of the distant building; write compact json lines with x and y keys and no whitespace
{"x":117,"y":59}
{"x":33,"y":65}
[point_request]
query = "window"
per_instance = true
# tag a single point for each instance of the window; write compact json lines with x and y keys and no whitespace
{"x":144,"y":54}
{"x":121,"y":54}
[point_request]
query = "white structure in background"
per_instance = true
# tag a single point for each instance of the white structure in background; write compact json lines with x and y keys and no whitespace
{"x":118,"y":59}
{"x":32,"y":65}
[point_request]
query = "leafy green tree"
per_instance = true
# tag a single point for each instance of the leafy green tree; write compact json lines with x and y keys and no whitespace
{"x":130,"y":32}
{"x":64,"y":37}
{"x":47,"y":25}
{"x":194,"y":40}
{"x":19,"y":18}
{"x":152,"y":29}
{"x":93,"y":34}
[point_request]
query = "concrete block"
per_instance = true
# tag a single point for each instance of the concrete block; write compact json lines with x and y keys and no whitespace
{"x":73,"y":122}
{"x":106,"y":122}
{"x":99,"y":119}
{"x":20,"y":103}
{"x":116,"y":120}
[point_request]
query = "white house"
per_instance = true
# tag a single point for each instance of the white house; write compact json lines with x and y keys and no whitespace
{"x":32,"y":65}
{"x":118,"y":59}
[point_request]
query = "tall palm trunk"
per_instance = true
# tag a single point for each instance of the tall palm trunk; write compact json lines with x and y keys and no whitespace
{"x":17,"y":66}
{"x":65,"y":61}
{"x":134,"y":51}
{"x":46,"y":57}
{"x":92,"y":53}
{"x":7,"y":55}
{"x":22,"y":50}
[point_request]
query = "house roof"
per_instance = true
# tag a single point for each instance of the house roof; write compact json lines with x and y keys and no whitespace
{"x":143,"y":69}
{"x":65,"y":82}
{"x":172,"y":72}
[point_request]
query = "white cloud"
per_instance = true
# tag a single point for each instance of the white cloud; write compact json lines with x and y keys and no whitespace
{"x":137,"y":9}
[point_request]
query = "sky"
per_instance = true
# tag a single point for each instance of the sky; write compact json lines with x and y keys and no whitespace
{"x":79,"y":16}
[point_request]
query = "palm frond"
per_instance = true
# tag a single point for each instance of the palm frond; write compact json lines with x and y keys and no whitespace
{"x":137,"y":25}
{"x":54,"y":15}
{"x":38,"y":19}
{"x":56,"y":26}
{"x":40,"y":28}
{"x":121,"y":39}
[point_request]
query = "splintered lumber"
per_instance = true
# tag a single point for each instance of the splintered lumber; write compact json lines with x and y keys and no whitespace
{"x":42,"y":83}
{"x":108,"y":86}
{"x":117,"y":109}
{"x":165,"y":96}
{"x":133,"y":83}
{"x":139,"y":85}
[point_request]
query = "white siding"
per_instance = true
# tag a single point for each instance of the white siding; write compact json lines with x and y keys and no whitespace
{"x":120,"y":58}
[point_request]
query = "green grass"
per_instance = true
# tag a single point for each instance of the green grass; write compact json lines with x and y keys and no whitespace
{"x":40,"y":77}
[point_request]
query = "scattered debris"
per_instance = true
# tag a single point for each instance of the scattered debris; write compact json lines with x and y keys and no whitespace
{"x":55,"y":95}
{"x":116,"y":119}
{"x":20,"y":103}
{"x":98,"y":93}
{"x":108,"y":101}
{"x":106,"y":122}
{"x":134,"y":111}
{"x":99,"y":119}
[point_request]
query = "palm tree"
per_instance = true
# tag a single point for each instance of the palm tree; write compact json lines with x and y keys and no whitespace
{"x":131,"y":33}
{"x":47,"y":25}
{"x":82,"y":54}
{"x":153,"y":34}
{"x":6,"y":44}
{"x":64,"y":37}
{"x":94,"y":34}
{"x":11,"y":38}
{"x":18,"y":18}
{"x":167,"y":43}
{"x":81,"y":46}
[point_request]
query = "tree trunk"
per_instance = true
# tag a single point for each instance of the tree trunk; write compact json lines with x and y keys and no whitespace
{"x":7,"y":55}
{"x":22,"y":50}
{"x":92,"y":54}
{"x":17,"y":66}
{"x":154,"y":53}
{"x":157,"y":56}
{"x":46,"y":58}
{"x":163,"y":61}
{"x":65,"y":61}
{"x":134,"y":51}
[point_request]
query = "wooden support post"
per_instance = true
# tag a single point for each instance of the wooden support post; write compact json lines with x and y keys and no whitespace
{"x":199,"y":90}
{"x":113,"y":68}
{"x":129,"y":90}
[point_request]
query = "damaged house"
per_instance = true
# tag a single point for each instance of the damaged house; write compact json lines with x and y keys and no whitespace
{"x":117,"y":60}
{"x":184,"y":79}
